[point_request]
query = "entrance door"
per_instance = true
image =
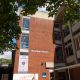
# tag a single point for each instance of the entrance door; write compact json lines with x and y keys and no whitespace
{"x":52,"y":76}
{"x":62,"y":76}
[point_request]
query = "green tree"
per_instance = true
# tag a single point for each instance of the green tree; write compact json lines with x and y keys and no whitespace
{"x":9,"y":28}
{"x":9,"y":20}
{"x":70,"y":9}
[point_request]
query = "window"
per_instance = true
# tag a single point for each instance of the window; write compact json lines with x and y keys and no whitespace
{"x":26,"y":23}
{"x":56,"y":24}
{"x":66,"y":31}
{"x":23,"y":53}
{"x":24,"y":41}
{"x":57,"y":35}
{"x":68,"y":42}
{"x":69,"y":50}
{"x":51,"y":75}
{"x":59,"y":54}
{"x":62,"y":76}
{"x":77,"y":43}
{"x":44,"y":75}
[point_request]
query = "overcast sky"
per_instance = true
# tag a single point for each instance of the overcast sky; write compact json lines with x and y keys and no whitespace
{"x":41,"y":9}
{"x":6,"y":55}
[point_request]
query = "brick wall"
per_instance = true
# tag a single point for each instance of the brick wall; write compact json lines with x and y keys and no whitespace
{"x":41,"y":47}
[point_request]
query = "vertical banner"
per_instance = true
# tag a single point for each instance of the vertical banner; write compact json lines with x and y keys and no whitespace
{"x":23,"y":64}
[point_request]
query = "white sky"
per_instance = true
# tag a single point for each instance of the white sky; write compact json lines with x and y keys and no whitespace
{"x":41,"y":9}
{"x":6,"y":55}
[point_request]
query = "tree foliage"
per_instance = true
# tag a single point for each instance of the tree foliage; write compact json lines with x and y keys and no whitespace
{"x":9,"y":27}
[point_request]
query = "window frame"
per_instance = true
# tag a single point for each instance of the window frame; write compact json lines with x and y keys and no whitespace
{"x":77,"y":43}
{"x":26,"y":41}
{"x":25,"y":28}
{"x":68,"y":50}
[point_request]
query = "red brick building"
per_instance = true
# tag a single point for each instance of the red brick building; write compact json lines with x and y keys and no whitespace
{"x":36,"y":49}
{"x":41,"y":47}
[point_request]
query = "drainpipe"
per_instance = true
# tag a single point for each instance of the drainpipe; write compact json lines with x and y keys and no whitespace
{"x":54,"y":75}
{"x":69,"y":74}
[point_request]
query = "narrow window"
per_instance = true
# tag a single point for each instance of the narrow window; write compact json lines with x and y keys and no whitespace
{"x":24,"y":41}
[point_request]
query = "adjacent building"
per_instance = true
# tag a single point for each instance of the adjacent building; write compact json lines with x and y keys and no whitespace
{"x":67,"y":39}
{"x":6,"y":65}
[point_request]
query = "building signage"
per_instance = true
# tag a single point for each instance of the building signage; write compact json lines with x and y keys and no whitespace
{"x":25,"y":76}
{"x":44,"y":75}
{"x":39,"y":51}
{"x":23,"y":64}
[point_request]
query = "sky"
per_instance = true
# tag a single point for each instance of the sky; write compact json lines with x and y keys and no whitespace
{"x":41,"y":9}
{"x":6,"y":55}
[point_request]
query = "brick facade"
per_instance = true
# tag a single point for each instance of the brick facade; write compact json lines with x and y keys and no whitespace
{"x":41,"y":47}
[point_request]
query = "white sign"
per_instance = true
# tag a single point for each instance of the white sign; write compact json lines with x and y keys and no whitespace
{"x":39,"y":51}
{"x":25,"y":76}
{"x":23,"y":64}
{"x":49,"y":64}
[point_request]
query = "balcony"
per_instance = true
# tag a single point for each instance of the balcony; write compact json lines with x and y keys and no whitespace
{"x":76,"y":27}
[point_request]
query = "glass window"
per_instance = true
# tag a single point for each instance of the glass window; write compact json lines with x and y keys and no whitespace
{"x":59,"y":54}
{"x":23,"y":53}
{"x":56,"y":24}
{"x":77,"y":43}
{"x":26,"y":23}
{"x":51,"y":75}
{"x":69,"y":50}
{"x":24,"y":41}
{"x":62,"y":76}
{"x":57,"y":35}
{"x":66,"y":31}
{"x":66,"y":51}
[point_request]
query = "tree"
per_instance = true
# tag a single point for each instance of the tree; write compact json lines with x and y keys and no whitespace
{"x":9,"y":27}
{"x":70,"y":9}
